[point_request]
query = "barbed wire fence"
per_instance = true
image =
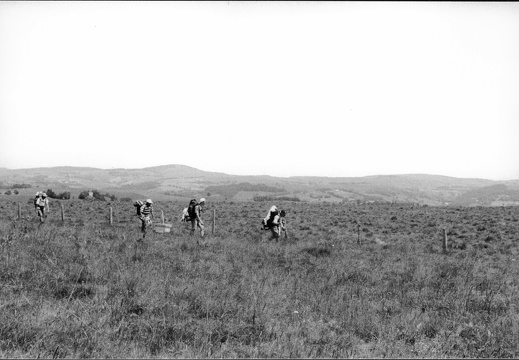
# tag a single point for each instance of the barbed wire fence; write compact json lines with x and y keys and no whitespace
{"x":166,"y":216}
{"x":124,"y":214}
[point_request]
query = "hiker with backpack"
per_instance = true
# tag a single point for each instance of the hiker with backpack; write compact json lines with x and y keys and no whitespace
{"x":41,"y":205}
{"x":145,"y":213}
{"x":195,"y":214}
{"x":275,"y":222}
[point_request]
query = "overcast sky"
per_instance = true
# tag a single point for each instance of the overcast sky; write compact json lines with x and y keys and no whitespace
{"x":262,"y":88}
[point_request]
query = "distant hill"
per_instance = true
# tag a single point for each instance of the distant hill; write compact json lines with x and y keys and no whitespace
{"x":180,"y":181}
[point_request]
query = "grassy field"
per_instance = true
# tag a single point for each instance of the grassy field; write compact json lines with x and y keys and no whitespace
{"x":80,"y":288}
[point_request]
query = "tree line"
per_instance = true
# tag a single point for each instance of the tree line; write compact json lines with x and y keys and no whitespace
{"x":96,"y":195}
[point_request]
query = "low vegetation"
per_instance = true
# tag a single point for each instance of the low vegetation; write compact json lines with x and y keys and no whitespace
{"x":275,"y":198}
{"x":62,"y":196}
{"x":232,"y":189}
{"x":368,"y":280}
{"x":96,"y":195}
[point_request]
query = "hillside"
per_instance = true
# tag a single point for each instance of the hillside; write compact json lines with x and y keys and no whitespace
{"x":181,"y":182}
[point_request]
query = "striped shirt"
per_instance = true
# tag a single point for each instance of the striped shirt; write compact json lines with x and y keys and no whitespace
{"x":146,"y":210}
{"x":43,"y":202}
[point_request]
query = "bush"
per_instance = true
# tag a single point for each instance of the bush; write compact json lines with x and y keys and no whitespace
{"x":21,"y":186}
{"x":51,"y":194}
{"x":63,"y":196}
{"x":83,"y":195}
{"x":96,"y":195}
{"x":274,"y":198}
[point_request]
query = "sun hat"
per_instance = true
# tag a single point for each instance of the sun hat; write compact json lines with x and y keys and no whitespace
{"x":149,"y":201}
{"x":202,"y":200}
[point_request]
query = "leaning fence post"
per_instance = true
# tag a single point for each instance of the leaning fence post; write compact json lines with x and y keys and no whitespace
{"x":162,"y":215}
{"x":62,"y":213}
{"x":444,"y":240}
{"x":19,"y":211}
{"x":111,"y":216}
{"x":214,"y":220}
{"x":358,"y":234}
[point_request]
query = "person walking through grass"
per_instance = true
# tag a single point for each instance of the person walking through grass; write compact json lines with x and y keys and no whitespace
{"x":195,"y":214}
{"x":41,"y":204}
{"x":146,"y":214}
{"x":278,"y":225}
{"x":275,"y":222}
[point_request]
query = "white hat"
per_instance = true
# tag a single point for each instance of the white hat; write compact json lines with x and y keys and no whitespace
{"x":149,"y":201}
{"x":38,"y":193}
{"x":202,"y":200}
{"x":44,"y":195}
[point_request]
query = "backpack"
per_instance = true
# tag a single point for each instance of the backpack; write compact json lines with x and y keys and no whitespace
{"x":39,"y":201}
{"x":268,"y":224}
{"x":191,"y":209}
{"x":138,"y":204}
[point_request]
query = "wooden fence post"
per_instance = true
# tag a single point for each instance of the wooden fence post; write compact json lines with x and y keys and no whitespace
{"x":444,"y":240}
{"x":111,"y":219}
{"x":358,"y":234}
{"x":162,"y":215}
{"x":62,"y":213}
{"x":19,"y":212}
{"x":214,"y":220}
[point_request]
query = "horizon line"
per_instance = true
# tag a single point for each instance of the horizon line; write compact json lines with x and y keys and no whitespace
{"x":274,"y":176}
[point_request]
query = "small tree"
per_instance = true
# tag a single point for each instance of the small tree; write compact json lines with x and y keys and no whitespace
{"x":83,"y":195}
{"x":64,"y":195}
{"x":16,"y":192}
{"x":8,"y":192}
{"x":98,"y":196}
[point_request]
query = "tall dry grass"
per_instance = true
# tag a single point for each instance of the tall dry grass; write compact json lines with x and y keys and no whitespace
{"x":93,"y":291}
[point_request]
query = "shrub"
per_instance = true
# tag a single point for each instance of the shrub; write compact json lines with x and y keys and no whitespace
{"x":63,"y":196}
{"x":96,"y":195}
{"x":21,"y":186}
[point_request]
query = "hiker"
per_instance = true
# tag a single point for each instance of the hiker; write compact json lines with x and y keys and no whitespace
{"x":195,"y":215}
{"x":275,"y":222}
{"x":273,"y":211}
{"x":41,"y":204}
{"x":36,"y":197}
{"x":146,"y":214}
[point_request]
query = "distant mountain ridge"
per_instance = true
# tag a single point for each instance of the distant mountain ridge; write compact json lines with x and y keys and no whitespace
{"x":181,"y":181}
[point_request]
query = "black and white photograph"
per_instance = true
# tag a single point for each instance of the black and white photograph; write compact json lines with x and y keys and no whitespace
{"x":259,"y":179}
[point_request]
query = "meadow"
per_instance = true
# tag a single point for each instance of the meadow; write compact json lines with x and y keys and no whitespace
{"x":350,"y":281}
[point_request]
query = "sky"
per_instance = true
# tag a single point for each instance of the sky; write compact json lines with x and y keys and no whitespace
{"x":333,"y":89}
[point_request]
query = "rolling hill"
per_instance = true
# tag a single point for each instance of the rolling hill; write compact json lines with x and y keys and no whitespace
{"x":180,"y":181}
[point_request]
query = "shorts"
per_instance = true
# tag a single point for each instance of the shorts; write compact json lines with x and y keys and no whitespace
{"x":146,"y":221}
{"x":41,"y":211}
